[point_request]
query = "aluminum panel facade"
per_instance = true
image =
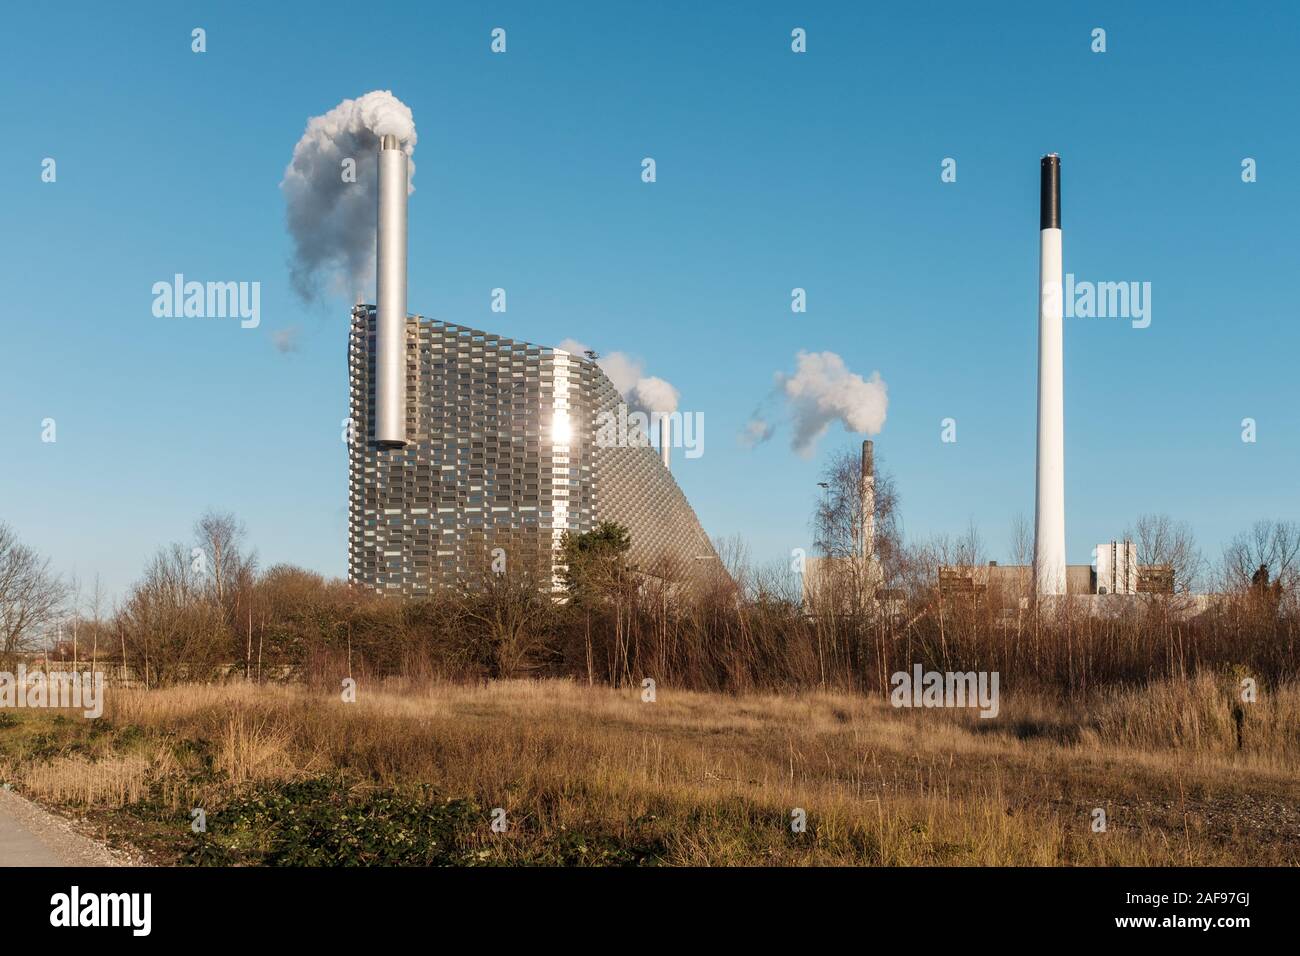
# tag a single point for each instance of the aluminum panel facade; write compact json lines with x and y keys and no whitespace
{"x":501,"y":452}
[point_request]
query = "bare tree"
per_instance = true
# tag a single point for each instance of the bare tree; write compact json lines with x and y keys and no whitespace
{"x":173,"y":629}
{"x":837,"y":519}
{"x":962,"y":557}
{"x":1022,"y":554}
{"x":509,"y":613}
{"x":74,"y":602}
{"x":1164,"y":543}
{"x":96,"y":610}
{"x":1272,"y":547}
{"x":733,"y":552}
{"x":220,"y":537}
{"x":1022,"y":540}
{"x":31,"y":595}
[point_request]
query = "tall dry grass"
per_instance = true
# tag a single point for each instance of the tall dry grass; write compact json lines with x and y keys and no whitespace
{"x":114,"y":780}
{"x":703,"y":778}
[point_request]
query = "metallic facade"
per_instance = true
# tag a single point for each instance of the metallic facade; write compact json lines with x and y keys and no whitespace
{"x":502,"y":452}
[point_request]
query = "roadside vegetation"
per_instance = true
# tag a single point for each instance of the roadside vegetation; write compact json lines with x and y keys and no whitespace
{"x":416,"y":774}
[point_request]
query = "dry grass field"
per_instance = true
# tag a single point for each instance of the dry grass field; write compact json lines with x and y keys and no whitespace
{"x":411,"y":774}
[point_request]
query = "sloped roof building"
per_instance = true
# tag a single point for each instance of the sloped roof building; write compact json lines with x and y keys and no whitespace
{"x":504,"y":452}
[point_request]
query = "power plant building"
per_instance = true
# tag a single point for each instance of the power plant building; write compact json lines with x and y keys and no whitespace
{"x":503,"y":450}
{"x":470,"y":453}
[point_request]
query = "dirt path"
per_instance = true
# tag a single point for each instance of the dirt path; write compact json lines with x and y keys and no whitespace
{"x":29,"y":836}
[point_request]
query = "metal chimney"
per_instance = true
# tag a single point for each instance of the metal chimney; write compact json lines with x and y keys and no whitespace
{"x":390,"y":296}
{"x":868,"y":501}
{"x":665,"y":440}
{"x":1049,"y":505}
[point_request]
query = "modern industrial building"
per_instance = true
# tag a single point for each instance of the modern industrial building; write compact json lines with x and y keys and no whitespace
{"x":501,"y":451}
{"x":470,"y":453}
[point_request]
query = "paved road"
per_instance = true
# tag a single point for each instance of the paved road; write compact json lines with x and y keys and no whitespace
{"x":29,"y":836}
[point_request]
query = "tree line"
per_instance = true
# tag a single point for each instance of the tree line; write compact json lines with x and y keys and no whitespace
{"x":204,"y":609}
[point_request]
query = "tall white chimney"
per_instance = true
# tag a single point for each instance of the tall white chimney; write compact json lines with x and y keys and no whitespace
{"x":665,"y":440}
{"x":1049,"y":506}
{"x":390,"y":296}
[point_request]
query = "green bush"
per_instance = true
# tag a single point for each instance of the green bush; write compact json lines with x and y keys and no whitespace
{"x":323,"y":822}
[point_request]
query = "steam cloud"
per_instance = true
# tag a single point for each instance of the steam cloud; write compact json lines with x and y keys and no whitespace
{"x":821,"y":392}
{"x":285,"y":340}
{"x":757,"y":430}
{"x":332,"y":220}
{"x":647,"y":393}
{"x":655,"y":395}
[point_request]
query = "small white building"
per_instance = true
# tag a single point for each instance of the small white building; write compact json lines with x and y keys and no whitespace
{"x":1117,"y":568}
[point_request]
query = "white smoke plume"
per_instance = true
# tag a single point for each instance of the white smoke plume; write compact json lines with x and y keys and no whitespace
{"x":622,"y":369}
{"x":285,"y":340}
{"x":655,"y":395}
{"x":647,"y":393}
{"x":331,"y":219}
{"x":757,"y":430}
{"x":821,"y":392}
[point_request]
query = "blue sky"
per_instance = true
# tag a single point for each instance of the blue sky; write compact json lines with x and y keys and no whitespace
{"x":775,"y":170}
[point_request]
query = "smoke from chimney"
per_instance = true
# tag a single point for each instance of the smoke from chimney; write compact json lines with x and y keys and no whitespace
{"x":331,"y":189}
{"x":646,"y":393}
{"x":653,"y":394}
{"x":823,"y":391}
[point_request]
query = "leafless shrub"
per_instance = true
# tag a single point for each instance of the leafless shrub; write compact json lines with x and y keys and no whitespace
{"x":1267,"y":556}
{"x":748,"y":629}
{"x":31,"y":596}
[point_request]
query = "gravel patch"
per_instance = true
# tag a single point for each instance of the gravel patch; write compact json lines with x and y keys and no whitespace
{"x":30,"y":836}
